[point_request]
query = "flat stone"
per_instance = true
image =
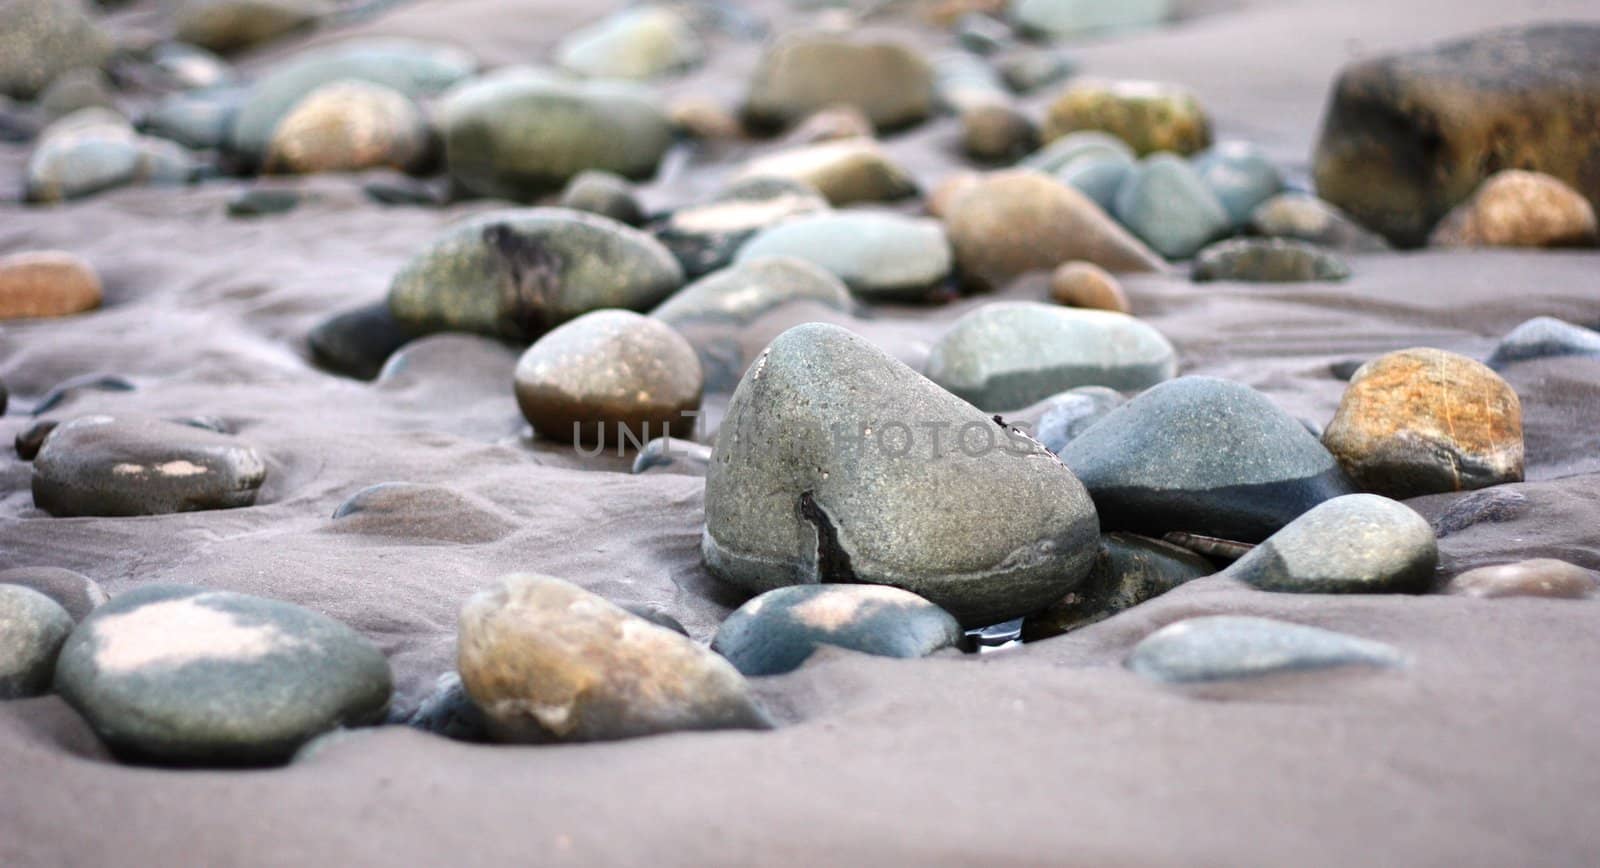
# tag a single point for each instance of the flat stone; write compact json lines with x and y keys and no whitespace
{"x":263,"y":202}
{"x":604,"y":193}
{"x":75,"y":592}
{"x":610,"y":375}
{"x":1148,"y":116}
{"x":349,"y":126}
{"x":1129,"y":570}
{"x":47,"y":283}
{"x":1425,"y":421}
{"x":1356,"y":544}
{"x":417,"y":512}
{"x":32,"y":630}
{"x":1228,"y":647}
{"x":830,"y":124}
{"x":1084,"y":284}
{"x":888,"y":80}
{"x":1008,"y":355}
{"x":879,"y":255}
{"x":1539,"y":577}
{"x":1242,"y":177}
{"x":1488,"y":505}
{"x":99,"y":465}
{"x":1514,"y":208}
{"x":231,"y":25}
{"x":1544,"y":337}
{"x":826,"y":470}
{"x":547,"y":661}
{"x":1165,"y":202}
{"x":1027,"y":69}
{"x":844,"y":171}
{"x":1303,"y":217}
{"x":188,"y":676}
{"x":777,"y":631}
{"x":357,"y":342}
{"x":40,"y":39}
{"x":705,"y":236}
{"x":1268,"y":260}
{"x":640,"y":43}
{"x":1203,"y":455}
{"x":81,"y":154}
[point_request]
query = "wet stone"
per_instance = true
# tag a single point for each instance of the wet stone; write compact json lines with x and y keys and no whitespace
{"x":1228,"y":647}
{"x":1356,"y":544}
{"x":777,"y":631}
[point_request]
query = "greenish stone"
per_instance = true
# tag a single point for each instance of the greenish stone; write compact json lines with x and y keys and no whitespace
{"x":1356,"y":544}
{"x":639,"y":43}
{"x":1065,"y":18}
{"x":40,"y":39}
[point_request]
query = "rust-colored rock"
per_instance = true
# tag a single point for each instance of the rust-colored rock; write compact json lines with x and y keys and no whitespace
{"x":1426,"y":421}
{"x":46,"y":283}
{"x":1084,"y":284}
{"x":1515,"y":208}
{"x":1149,"y":116}
{"x":349,"y":126}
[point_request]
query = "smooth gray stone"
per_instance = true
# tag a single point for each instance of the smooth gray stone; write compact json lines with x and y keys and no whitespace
{"x":706,"y":236}
{"x":357,"y":342}
{"x":777,"y":631}
{"x":1355,"y":544}
{"x":605,"y":193}
{"x":1165,"y":202}
{"x":1241,"y":175}
{"x":1099,"y":178}
{"x":1227,"y":647}
{"x":75,"y":592}
{"x":881,"y":256}
{"x":33,"y":628}
{"x":1544,"y":337}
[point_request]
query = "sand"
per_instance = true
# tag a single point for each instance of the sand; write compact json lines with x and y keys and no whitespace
{"x":1482,"y":752}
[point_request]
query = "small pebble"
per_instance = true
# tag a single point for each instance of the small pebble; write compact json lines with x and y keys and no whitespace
{"x":1084,"y":284}
{"x":777,"y":631}
{"x":1226,"y":647}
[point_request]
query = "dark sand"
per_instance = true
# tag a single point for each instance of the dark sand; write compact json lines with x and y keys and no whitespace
{"x":1484,"y":752}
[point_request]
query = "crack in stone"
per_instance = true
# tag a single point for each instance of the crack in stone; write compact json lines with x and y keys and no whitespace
{"x":832,"y":561}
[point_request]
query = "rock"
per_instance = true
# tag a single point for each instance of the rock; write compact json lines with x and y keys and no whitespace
{"x":1409,"y":136}
{"x":76,"y":593}
{"x":412,"y":67}
{"x":82,"y":154}
{"x":97,"y":465}
{"x":813,"y":480}
{"x":357,"y":342}
{"x":1514,"y":208}
{"x":1206,"y":456}
{"x":32,"y":630}
{"x":962,"y":80}
{"x":1055,"y":19}
{"x":1148,"y":116}
{"x":705,"y":237}
{"x":891,"y":82}
{"x":703,"y":118}
{"x":879,"y":255}
{"x":44,"y":283}
{"x":1303,"y":217}
{"x":263,"y":201}
{"x":521,"y":134}
{"x":610,"y":371}
{"x":231,"y":25}
{"x":1226,"y":647}
{"x":1129,"y":570}
{"x":72,"y":386}
{"x":1099,"y":178}
{"x":348,"y":126}
{"x":1028,"y":69}
{"x":982,"y":34}
{"x":1165,"y":203}
{"x":1007,"y":355}
{"x":189,"y":676}
{"x":415,"y":513}
{"x":547,"y":661}
{"x":1242,"y":177}
{"x":77,"y":89}
{"x":40,"y":39}
{"x":1539,"y":577}
{"x":671,"y":455}
{"x":722,"y":315}
{"x":1544,"y":337}
{"x":1084,"y":284}
{"x":945,"y":193}
{"x":30,"y":439}
{"x":1058,"y":419}
{"x":603,"y":193}
{"x":639,"y":43}
{"x":518,"y":273}
{"x":777,"y":631}
{"x":996,"y":132}
{"x":1071,"y":148}
{"x":1356,"y":544}
{"x":449,"y":712}
{"x":1268,"y":260}
{"x":1426,"y":421}
{"x":1013,"y":222}
{"x":654,"y":615}
{"x":388,"y":187}
{"x":190,"y":67}
{"x":194,"y":119}
{"x":843,"y":171}
{"x":1486,"y":505}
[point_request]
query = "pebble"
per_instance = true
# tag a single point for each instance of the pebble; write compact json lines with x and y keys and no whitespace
{"x":962,"y":80}
{"x":93,"y":150}
{"x":777,"y":631}
{"x":99,"y":465}
{"x":1303,"y":217}
{"x":1268,"y":260}
{"x":1539,"y":577}
{"x":996,"y":131}
{"x":517,"y":273}
{"x":1129,"y":570}
{"x":982,"y":34}
{"x":844,"y":171}
{"x":830,"y":125}
{"x":195,"y":119}
{"x":706,"y":236}
{"x":32,"y":630}
{"x":348,"y":126}
{"x":888,"y":80}
{"x":1058,"y":419}
{"x":29,"y":439}
{"x":262,"y":202}
{"x":1027,"y":69}
{"x":74,"y":592}
{"x":640,"y":43}
{"x":703,"y":118}
{"x":672,"y":455}
{"x":818,"y":476}
{"x":40,"y":39}
{"x":1008,"y":355}
{"x":1426,"y":421}
{"x":1355,"y":544}
{"x":416,"y":513}
{"x":1242,"y":177}
{"x":47,"y":283}
{"x":1544,"y":337}
{"x":357,"y":342}
{"x":1514,"y":208}
{"x":1490,"y":505}
{"x":1084,"y":145}
{"x":1084,"y":284}
{"x":232,"y":25}
{"x":547,"y":661}
{"x":1203,"y":455}
{"x":1010,"y":223}
{"x":1165,"y":202}
{"x":190,"y":67}
{"x":1228,"y":647}
{"x":1057,"y":19}
{"x":449,"y":712}
{"x":77,"y":89}
{"x":1149,"y":116}
{"x":1099,"y":178}
{"x":605,"y":193}
{"x":1397,"y":150}
{"x":881,"y":256}
{"x":177,"y":675}
{"x":610,"y":374}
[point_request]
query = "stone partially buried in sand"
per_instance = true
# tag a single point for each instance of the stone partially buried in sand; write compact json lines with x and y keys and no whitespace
{"x":891,"y":82}
{"x":358,"y":342}
{"x":99,"y":465}
{"x":706,"y":235}
{"x":1356,"y":544}
{"x":547,"y":661}
{"x":75,"y":592}
{"x":32,"y":630}
{"x":187,"y":676}
{"x":608,"y":376}
{"x":1544,"y":337}
{"x":1519,"y":209}
{"x":880,"y":255}
{"x":640,"y":43}
{"x":1268,"y":260}
{"x":1148,"y":116}
{"x":43,"y":283}
{"x":1084,"y":284}
{"x":349,"y":126}
{"x":518,"y":273}
{"x":40,"y":39}
{"x":1008,"y":355}
{"x":1303,"y":217}
{"x":843,"y":170}
{"x":1129,"y":570}
{"x":1228,"y":647}
{"x":1539,"y":577}
{"x":828,"y":468}
{"x":777,"y":631}
{"x":1425,"y":421}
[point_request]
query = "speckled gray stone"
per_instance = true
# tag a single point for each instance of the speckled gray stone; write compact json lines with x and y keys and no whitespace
{"x":1226,"y":647}
{"x":1165,"y":202}
{"x":777,"y":631}
{"x":40,"y":39}
{"x":178,"y":675}
{"x":1355,"y":544}
{"x":75,"y":592}
{"x":1544,"y":337}
{"x":32,"y":630}
{"x":826,"y":469}
{"x":1008,"y":355}
{"x":1129,"y":570}
{"x":879,"y":255}
{"x":1268,"y":260}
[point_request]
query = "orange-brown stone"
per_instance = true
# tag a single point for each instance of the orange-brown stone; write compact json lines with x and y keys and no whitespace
{"x":1084,"y":284}
{"x":46,"y":283}
{"x":1515,"y":208}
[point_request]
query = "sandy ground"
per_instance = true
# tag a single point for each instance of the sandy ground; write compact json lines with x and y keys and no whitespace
{"x":1482,"y":753}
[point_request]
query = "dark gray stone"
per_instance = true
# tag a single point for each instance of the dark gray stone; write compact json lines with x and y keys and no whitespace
{"x":1356,"y":544}
{"x":1129,"y":570}
{"x":777,"y":631}
{"x":31,"y":438}
{"x":70,"y":388}
{"x":448,"y":711}
{"x":1268,"y":260}
{"x":1227,"y":647}
{"x":263,"y":202}
{"x":1488,"y":505}
{"x":357,"y":342}
{"x":75,"y":592}
{"x":705,"y":237}
{"x":32,"y":630}
{"x":1544,"y":337}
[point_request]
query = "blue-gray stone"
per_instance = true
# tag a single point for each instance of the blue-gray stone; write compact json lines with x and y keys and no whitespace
{"x":1544,"y":337}
{"x":1355,"y":544}
{"x":1241,"y":175}
{"x":32,"y":630}
{"x":1081,"y":145}
{"x":1062,"y":18}
{"x":1057,"y":420}
{"x":1099,"y":178}
{"x":1227,"y":647}
{"x":1165,"y":202}
{"x":775,"y":632}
